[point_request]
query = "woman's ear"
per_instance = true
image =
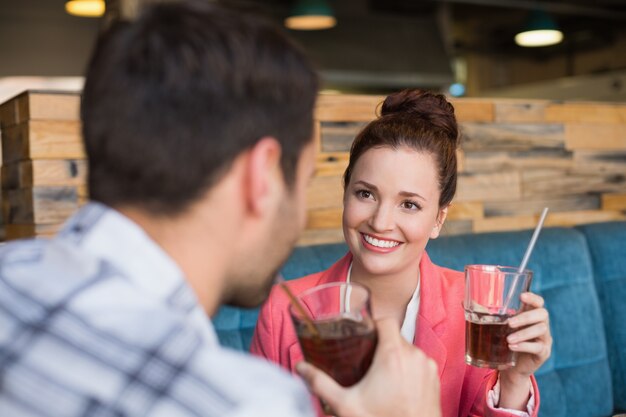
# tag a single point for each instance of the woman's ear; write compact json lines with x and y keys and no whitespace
{"x":439,"y":221}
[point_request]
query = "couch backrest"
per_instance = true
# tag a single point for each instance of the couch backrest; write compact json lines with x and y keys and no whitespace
{"x":607,"y":245}
{"x":576,"y":380}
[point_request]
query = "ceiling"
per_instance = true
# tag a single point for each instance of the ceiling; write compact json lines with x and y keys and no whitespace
{"x":426,"y":38}
{"x":383,"y":45}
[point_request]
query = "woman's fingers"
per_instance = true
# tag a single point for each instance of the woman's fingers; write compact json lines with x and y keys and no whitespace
{"x":535,"y":331}
{"x":529,"y":317}
{"x":534,"y":348}
{"x":532,"y":299}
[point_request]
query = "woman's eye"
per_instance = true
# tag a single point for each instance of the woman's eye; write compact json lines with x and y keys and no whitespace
{"x":409,"y":205}
{"x":363,"y":194}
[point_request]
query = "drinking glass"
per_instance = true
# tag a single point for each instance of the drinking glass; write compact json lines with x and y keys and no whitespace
{"x":343,"y":337}
{"x":492,"y":297}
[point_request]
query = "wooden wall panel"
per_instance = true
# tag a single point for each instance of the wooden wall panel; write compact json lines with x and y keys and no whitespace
{"x":614,"y":202}
{"x":511,"y":137}
{"x":518,"y":111}
{"x":48,"y":106}
{"x":42,"y":139}
{"x":488,"y":187}
{"x":600,"y":113}
{"x":516,"y":157}
{"x":594,"y":136}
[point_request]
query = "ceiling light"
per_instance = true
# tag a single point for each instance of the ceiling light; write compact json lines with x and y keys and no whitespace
{"x":311,"y":15}
{"x":539,"y":31}
{"x":85,"y":8}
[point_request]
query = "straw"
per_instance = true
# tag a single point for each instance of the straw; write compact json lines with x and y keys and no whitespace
{"x":298,"y":306}
{"x":529,"y":250}
{"x":533,"y":240}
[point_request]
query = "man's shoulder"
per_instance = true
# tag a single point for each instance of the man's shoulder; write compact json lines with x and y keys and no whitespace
{"x":76,"y":330}
{"x":253,"y":383}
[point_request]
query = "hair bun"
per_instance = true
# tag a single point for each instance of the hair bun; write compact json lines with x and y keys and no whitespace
{"x":426,"y":106}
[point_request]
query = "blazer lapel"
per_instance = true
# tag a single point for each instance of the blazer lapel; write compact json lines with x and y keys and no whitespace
{"x":431,"y":318}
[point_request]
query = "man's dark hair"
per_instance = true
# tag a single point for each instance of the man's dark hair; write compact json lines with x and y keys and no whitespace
{"x":172,"y":98}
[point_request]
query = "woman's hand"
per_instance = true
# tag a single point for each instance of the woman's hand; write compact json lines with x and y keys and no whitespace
{"x":533,"y":343}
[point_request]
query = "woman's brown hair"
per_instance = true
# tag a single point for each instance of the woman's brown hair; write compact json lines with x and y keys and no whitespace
{"x":419,"y":120}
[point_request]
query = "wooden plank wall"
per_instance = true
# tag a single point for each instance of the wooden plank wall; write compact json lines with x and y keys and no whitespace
{"x":43,"y":163}
{"x":516,"y":157}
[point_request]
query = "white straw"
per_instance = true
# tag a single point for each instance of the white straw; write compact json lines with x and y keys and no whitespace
{"x":525,"y":259}
{"x":533,"y":240}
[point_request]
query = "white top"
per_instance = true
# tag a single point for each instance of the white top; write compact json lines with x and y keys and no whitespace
{"x":412,"y":309}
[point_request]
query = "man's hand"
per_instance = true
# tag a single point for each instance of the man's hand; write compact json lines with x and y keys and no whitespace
{"x":402,"y":381}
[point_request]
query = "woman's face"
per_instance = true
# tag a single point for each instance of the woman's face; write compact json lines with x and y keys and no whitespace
{"x":391,"y":209}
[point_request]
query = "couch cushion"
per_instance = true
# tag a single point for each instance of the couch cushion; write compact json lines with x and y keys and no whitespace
{"x":575,"y":381}
{"x":607,"y":245}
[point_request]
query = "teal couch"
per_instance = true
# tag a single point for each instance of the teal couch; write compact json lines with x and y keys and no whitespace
{"x":581,"y":273}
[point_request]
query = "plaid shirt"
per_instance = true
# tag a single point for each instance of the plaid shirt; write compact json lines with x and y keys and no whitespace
{"x":99,"y":321}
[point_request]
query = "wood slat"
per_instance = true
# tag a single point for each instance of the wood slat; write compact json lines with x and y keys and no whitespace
{"x":33,"y":105}
{"x":586,"y":113}
{"x":8,"y":113}
{"x":614,"y":202}
{"x":468,"y":210}
{"x":329,"y":218}
{"x":473,"y":110}
{"x":317,"y":136}
{"x":83,"y":194}
{"x":21,"y":231}
{"x":531,"y":206}
{"x":504,"y":223}
{"x":511,"y":137}
{"x":456,"y":227}
{"x":573,"y":218}
{"x":601,"y":161}
{"x":338,"y":136}
{"x":520,"y":111}
{"x":347,"y":108}
{"x":331,"y":164}
{"x":320,"y":236}
{"x":44,"y":172}
{"x":501,"y":161}
{"x":39,"y":205}
{"x":325,"y":192}
{"x":595,"y":136}
{"x":39,"y":139}
{"x":557,"y":182}
{"x":460,"y":160}
{"x":488,"y":187}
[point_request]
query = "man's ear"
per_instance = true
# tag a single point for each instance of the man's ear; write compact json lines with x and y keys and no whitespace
{"x":262,"y":174}
{"x":441,"y":218}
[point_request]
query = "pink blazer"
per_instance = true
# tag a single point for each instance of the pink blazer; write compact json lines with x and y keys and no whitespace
{"x":440,"y":333}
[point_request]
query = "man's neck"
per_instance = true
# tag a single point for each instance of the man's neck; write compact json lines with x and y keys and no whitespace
{"x":196,"y":248}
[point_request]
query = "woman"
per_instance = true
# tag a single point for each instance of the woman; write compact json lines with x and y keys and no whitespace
{"x":398,"y":186}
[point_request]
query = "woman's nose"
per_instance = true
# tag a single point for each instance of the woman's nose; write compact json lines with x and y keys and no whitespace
{"x":381,"y":219}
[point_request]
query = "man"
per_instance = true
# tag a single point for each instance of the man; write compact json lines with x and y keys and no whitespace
{"x":197,"y":124}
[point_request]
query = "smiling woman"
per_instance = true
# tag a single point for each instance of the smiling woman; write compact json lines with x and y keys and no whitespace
{"x":398,"y":185}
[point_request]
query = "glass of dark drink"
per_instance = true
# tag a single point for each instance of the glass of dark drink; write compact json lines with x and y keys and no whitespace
{"x":338,"y":334}
{"x":492,"y":296}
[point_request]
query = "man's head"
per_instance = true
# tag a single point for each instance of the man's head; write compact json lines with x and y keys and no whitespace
{"x":202,"y":116}
{"x":171,"y":99}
